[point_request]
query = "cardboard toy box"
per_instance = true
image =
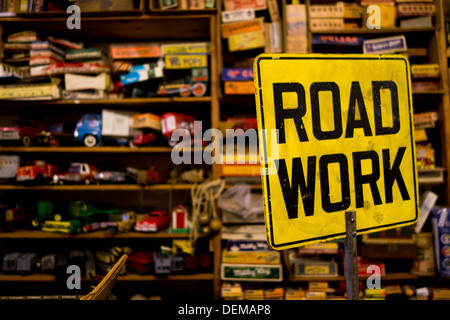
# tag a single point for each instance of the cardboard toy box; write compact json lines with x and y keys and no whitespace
{"x":251,"y":272}
{"x":253,"y":257}
{"x":304,"y":268}
{"x":146,"y":120}
{"x":105,"y":5}
{"x":441,"y":230}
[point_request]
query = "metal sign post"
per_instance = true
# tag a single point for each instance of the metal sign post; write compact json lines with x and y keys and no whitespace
{"x":351,"y":256}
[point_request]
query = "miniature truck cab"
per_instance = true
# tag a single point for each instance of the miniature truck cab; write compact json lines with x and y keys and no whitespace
{"x":24,"y":131}
{"x":36,"y":170}
{"x":114,"y":125}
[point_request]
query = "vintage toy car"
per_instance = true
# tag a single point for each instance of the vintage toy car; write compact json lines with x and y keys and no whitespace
{"x":14,"y":218}
{"x":110,"y":125}
{"x":37,"y":171}
{"x":110,"y":177}
{"x":190,"y":263}
{"x":150,"y":176}
{"x":157,"y":220}
{"x":48,"y":263}
{"x":10,"y":262}
{"x":78,"y":172}
{"x":177,"y":263}
{"x":60,"y":134}
{"x":182,"y":88}
{"x":194,"y":82}
{"x":27,"y":263}
{"x":140,"y":262}
{"x":171,"y":121}
{"x":162,"y":264}
{"x":24,"y":132}
{"x":143,"y":139}
{"x":72,"y":226}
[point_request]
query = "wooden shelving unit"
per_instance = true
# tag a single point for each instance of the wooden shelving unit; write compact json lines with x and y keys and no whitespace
{"x":98,"y":28}
{"x":37,"y":234}
{"x":153,"y":24}
{"x":127,"y":277}
{"x":432,"y":39}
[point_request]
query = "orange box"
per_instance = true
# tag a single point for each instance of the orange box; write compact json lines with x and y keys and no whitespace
{"x":135,"y":51}
{"x":239,"y":87}
{"x":241,"y":170}
{"x":146,"y":120}
{"x":230,"y":29}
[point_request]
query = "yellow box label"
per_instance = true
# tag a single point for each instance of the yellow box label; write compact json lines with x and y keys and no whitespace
{"x":182,"y":61}
{"x":244,"y":41}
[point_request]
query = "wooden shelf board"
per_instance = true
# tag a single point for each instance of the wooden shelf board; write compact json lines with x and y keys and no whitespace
{"x":38,"y":234}
{"x":127,"y":277}
{"x":361,"y":31}
{"x":81,"y":149}
{"x":145,"y":102}
{"x":119,"y":28}
{"x":36,"y":17}
{"x":98,"y":187}
{"x":178,"y":12}
{"x":428,"y":92}
{"x":387,"y":277}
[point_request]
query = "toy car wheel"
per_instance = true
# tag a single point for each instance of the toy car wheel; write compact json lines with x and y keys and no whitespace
{"x":26,"y":141}
{"x":87,"y":181}
{"x":90,"y":141}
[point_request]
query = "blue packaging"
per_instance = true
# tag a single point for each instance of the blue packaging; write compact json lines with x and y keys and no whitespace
{"x":237,"y":74}
{"x":441,"y":232}
{"x":247,"y":245}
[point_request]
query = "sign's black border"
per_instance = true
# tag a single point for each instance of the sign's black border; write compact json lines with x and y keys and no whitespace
{"x":282,"y":57}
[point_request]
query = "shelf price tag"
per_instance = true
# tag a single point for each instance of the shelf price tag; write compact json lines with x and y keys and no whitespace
{"x":337,"y":136}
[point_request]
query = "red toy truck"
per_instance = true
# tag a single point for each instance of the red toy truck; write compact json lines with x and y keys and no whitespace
{"x":24,"y":131}
{"x":157,"y":220}
{"x":79,"y":172}
{"x":37,"y":170}
{"x":172,"y":121}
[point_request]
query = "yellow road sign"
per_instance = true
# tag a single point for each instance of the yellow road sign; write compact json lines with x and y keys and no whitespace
{"x":337,"y":136}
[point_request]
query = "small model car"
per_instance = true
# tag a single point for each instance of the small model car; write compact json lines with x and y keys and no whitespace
{"x":177,"y":263}
{"x":171,"y":121}
{"x":190,"y":263}
{"x":194,"y":82}
{"x":162,"y":264}
{"x":182,"y":88}
{"x":48,"y":263}
{"x":60,"y":134}
{"x":140,"y":262}
{"x":143,"y":139}
{"x":110,"y":177}
{"x":157,"y":220}
{"x":27,"y":263}
{"x":155,"y":176}
{"x":10,"y":262}
{"x":23,"y":131}
{"x":37,"y":170}
{"x":79,"y":172}
{"x":150,"y":176}
{"x":14,"y":218}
